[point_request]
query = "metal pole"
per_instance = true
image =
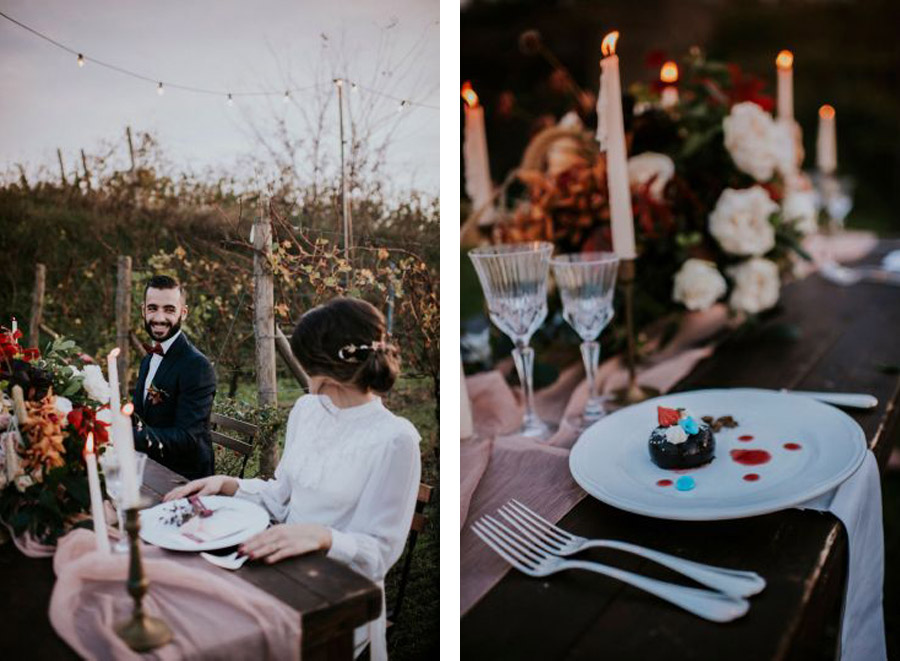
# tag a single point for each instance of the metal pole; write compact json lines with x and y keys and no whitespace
{"x":344,"y":215}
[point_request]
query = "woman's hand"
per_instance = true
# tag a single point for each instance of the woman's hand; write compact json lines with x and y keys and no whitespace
{"x":205,"y":486}
{"x":285,"y":540}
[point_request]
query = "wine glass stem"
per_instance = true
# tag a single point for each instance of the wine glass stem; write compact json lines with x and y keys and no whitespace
{"x":523,"y":355}
{"x":590,"y":352}
{"x":120,"y":514}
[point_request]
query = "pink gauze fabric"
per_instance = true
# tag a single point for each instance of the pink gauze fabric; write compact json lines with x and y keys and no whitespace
{"x":212,"y":613}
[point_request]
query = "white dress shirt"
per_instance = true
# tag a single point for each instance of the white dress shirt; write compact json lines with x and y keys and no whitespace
{"x":155,"y":360}
{"x":356,"y":471}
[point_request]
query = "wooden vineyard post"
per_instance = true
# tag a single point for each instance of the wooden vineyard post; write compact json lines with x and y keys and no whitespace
{"x":37,"y":305}
{"x":123,"y":321}
{"x":130,"y":146}
{"x":284,"y":350}
{"x":264,"y":326}
{"x":62,"y":168}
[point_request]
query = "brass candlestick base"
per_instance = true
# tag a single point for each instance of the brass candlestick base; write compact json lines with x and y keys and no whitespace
{"x":141,"y":633}
{"x":632,"y":393}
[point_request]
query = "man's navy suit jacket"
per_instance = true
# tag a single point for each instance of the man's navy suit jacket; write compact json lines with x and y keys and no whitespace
{"x":176,"y":429}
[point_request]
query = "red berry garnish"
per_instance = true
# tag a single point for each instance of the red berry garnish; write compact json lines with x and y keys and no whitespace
{"x":667,"y":417}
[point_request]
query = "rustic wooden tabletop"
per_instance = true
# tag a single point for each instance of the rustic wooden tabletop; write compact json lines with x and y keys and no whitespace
{"x":846,"y":340}
{"x":330,"y":598}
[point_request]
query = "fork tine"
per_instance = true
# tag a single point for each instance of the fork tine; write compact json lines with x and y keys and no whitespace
{"x":537,"y":536}
{"x":514,"y":539}
{"x":489,"y":538}
{"x":539,"y":520}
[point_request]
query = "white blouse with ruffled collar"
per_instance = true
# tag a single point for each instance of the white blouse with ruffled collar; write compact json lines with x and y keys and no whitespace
{"x":354,"y":470}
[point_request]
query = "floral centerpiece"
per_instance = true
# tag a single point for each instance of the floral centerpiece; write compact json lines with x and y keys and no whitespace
{"x":719,"y":202}
{"x":43,"y":480}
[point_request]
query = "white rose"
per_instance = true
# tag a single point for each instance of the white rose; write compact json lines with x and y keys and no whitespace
{"x":756,"y":285}
{"x":95,"y":384}
{"x":63,"y":405}
{"x":740,"y":221}
{"x":650,"y":165}
{"x":698,"y":284}
{"x":755,"y":142}
{"x":23,"y":482}
{"x":799,"y":209}
{"x":676,"y":435}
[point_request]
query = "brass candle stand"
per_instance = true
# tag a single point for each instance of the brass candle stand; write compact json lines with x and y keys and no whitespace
{"x":141,"y":633}
{"x":632,"y":393}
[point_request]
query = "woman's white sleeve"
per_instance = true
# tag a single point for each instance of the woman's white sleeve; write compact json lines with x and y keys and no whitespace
{"x":274,"y":494}
{"x":373,"y":540}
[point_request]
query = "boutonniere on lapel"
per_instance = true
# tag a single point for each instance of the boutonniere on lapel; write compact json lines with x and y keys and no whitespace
{"x":156,"y":395}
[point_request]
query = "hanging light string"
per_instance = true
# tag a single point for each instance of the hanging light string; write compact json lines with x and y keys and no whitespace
{"x":229,"y":95}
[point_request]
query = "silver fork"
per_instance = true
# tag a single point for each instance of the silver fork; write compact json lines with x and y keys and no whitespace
{"x":534,"y":561}
{"x":557,"y":541}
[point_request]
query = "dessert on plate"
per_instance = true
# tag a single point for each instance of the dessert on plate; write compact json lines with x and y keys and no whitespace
{"x":680,"y":440}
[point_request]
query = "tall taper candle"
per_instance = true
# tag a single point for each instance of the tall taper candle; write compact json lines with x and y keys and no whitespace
{"x":611,"y":135}
{"x":90,"y":460}
{"x":785,"y":65}
{"x":127,"y":459}
{"x":668,"y":76}
{"x":479,"y":186}
{"x":826,"y":141}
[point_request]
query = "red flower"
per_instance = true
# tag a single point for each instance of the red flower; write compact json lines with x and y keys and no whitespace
{"x":84,"y":420}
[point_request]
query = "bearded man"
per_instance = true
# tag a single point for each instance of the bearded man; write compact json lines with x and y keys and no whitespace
{"x":175,"y":388}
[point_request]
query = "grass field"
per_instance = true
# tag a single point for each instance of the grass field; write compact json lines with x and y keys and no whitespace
{"x":415,"y":634}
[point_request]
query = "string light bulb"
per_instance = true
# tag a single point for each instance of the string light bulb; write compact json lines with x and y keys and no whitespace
{"x":339,"y":82}
{"x":403,"y":105}
{"x":80,"y":60}
{"x":287,"y":95}
{"x":354,"y":87}
{"x":159,"y":89}
{"x":230,"y":99}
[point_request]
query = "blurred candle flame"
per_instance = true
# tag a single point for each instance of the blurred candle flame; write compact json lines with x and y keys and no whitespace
{"x":826,"y":112}
{"x":469,"y":95}
{"x":89,"y":445}
{"x":785,"y":60}
{"x":669,"y":73}
{"x":608,"y":47}
{"x":128,"y":409}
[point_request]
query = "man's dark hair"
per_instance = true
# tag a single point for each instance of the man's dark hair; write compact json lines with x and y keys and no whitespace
{"x":164,"y":282}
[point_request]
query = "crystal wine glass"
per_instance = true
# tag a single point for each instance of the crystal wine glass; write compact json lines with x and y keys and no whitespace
{"x":112,"y":473}
{"x":514,"y":280}
{"x":587,"y":282}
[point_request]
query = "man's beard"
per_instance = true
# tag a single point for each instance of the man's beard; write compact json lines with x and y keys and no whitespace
{"x":172,"y":330}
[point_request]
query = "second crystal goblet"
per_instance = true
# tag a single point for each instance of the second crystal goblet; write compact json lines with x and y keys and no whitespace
{"x":514,"y":280}
{"x":587,"y":282}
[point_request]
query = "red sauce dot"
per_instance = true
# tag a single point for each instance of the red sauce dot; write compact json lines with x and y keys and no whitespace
{"x":745,"y":438}
{"x":750,"y":457}
{"x":664,"y":483}
{"x":792,"y":446}
{"x":751,"y":477}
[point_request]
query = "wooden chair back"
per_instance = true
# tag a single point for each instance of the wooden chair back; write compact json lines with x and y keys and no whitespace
{"x":235,"y":435}
{"x":418,"y":525}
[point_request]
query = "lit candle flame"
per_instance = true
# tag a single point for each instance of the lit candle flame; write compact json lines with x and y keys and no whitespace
{"x":89,"y":445}
{"x":826,"y":112}
{"x":469,"y":95}
{"x":608,"y":47}
{"x":115,"y":353}
{"x":128,"y":409}
{"x":785,"y":60}
{"x":669,"y":73}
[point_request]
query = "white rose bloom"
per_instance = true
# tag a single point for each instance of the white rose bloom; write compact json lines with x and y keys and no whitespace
{"x":63,"y":405}
{"x":644,"y":167}
{"x":756,"y":285}
{"x":676,"y":435}
{"x":740,"y":221}
{"x":698,"y":284}
{"x":755,"y":142}
{"x":95,"y":384}
{"x":799,"y":209}
{"x":23,"y":482}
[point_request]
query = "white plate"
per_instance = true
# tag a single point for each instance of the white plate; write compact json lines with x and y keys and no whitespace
{"x":611,"y":460}
{"x":154,"y":529}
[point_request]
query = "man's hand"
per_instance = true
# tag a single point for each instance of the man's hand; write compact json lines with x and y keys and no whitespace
{"x":286,"y":540}
{"x":206,"y":486}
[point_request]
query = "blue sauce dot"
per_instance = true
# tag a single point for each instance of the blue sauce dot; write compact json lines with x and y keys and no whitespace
{"x":685,"y":483}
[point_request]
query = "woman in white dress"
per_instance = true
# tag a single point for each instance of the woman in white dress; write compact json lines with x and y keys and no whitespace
{"x":350,"y":471}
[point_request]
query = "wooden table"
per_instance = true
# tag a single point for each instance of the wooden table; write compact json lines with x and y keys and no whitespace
{"x":848,"y":337}
{"x":330,"y":598}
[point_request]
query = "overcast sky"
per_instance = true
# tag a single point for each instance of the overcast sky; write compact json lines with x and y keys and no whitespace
{"x":47,"y":102}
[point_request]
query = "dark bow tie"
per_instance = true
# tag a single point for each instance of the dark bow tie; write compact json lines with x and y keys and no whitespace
{"x":154,"y":348}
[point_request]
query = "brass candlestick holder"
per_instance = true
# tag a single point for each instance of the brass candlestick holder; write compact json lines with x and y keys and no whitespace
{"x":141,"y":633}
{"x":632,"y":393}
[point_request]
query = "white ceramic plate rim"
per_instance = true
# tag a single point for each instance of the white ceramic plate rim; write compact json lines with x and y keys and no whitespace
{"x":687,"y":513}
{"x":154,"y":532}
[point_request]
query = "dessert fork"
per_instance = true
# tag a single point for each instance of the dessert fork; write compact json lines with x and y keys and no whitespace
{"x":557,"y":541}
{"x":534,"y":561}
